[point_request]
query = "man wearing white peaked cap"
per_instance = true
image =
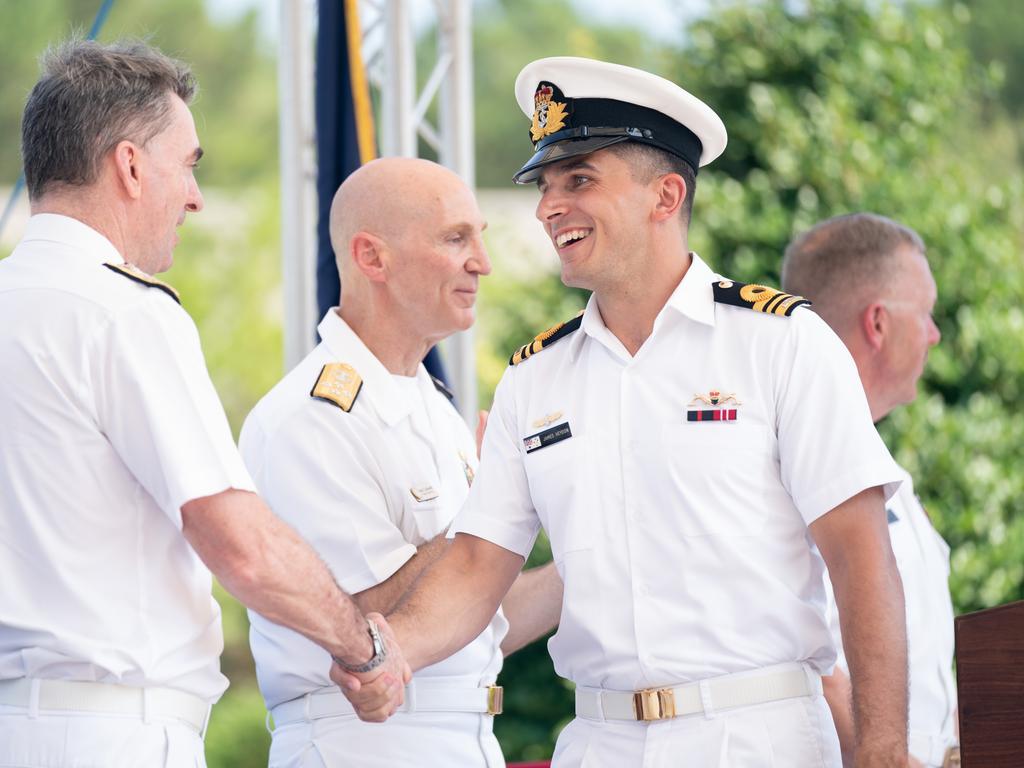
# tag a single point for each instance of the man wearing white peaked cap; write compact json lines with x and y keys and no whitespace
{"x":685,"y":442}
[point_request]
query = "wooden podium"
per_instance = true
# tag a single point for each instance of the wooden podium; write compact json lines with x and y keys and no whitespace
{"x":990,"y":679}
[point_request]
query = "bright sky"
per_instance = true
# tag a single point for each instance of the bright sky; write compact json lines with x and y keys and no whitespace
{"x":660,"y":18}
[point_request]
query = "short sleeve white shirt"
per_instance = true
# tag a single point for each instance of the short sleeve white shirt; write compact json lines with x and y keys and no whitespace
{"x":683,"y":546}
{"x":365,"y":488}
{"x":109,"y":424}
{"x":922,"y":557}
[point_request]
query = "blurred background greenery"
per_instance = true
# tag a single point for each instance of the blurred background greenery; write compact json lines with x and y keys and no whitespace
{"x":911,"y":109}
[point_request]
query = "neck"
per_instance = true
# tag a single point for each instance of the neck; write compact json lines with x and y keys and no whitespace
{"x":92,"y":209}
{"x":872,"y":379}
{"x":399,"y":349}
{"x":630,"y":306}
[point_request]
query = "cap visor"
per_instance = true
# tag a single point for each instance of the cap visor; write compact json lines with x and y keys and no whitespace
{"x":562,"y":150}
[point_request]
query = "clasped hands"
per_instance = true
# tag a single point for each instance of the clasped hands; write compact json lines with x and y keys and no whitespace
{"x":377,"y":694}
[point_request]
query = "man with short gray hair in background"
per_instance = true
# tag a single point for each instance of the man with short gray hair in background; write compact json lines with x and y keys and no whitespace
{"x":120,"y":484}
{"x":869,"y":280}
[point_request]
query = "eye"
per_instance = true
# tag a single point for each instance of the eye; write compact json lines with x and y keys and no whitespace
{"x":456,"y":239}
{"x":579,"y":180}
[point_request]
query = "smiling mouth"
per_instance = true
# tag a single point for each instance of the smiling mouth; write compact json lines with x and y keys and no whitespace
{"x":571,"y":236}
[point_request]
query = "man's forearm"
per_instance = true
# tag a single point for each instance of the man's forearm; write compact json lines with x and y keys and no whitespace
{"x":532,"y":606}
{"x":384,"y":597}
{"x":454,"y":600}
{"x":269,"y":568}
{"x":854,"y":540}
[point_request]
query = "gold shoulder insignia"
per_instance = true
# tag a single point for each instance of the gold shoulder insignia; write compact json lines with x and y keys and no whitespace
{"x":134,"y":273}
{"x":546,"y":339}
{"x":759,"y":298}
{"x":338,"y":383}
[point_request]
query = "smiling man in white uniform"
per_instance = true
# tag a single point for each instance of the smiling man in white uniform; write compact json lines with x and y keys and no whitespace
{"x":120,"y":484}
{"x":870,"y":281}
{"x":683,"y":442}
{"x":366,"y":456}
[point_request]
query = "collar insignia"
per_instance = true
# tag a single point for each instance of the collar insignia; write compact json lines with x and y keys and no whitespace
{"x":548,"y":115}
{"x":339,"y":384}
{"x":717,"y":412}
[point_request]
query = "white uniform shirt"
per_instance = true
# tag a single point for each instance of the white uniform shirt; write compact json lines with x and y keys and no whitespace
{"x":683,"y":545}
{"x":109,"y":424}
{"x":345,"y":481}
{"x":923,"y":560}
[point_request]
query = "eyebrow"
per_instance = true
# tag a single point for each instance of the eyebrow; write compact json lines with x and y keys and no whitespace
{"x":569,"y":167}
{"x":197,"y":154}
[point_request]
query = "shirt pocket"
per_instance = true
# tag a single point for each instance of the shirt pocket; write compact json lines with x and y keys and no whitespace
{"x":723,"y":476}
{"x":423,"y":520}
{"x":561,"y":489}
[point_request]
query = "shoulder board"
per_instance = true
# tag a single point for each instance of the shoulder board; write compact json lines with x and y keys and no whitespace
{"x":441,"y":387}
{"x":759,"y":298}
{"x":339,"y":384}
{"x":546,"y":339}
{"x":134,"y":273}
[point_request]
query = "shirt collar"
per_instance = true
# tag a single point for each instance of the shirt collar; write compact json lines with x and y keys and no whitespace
{"x":84,"y":241}
{"x":378,"y":385}
{"x":694,"y":297}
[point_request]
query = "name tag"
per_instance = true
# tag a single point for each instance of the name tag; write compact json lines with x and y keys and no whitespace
{"x":548,"y":437}
{"x":424,"y":493}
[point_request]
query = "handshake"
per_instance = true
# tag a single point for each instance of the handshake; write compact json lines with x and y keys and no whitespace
{"x":375,"y":687}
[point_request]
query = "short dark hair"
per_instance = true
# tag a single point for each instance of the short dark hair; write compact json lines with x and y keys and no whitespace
{"x":90,"y":97}
{"x":647,"y":162}
{"x":839,"y":259}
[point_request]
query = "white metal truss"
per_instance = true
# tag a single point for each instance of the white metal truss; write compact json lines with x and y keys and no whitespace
{"x":436,"y":110}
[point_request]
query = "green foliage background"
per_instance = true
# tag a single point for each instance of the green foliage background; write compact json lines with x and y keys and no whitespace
{"x":910,"y":109}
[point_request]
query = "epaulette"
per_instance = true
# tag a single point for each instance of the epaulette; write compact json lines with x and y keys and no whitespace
{"x":339,"y":384}
{"x":441,"y":387}
{"x":134,"y":273}
{"x":759,"y":298}
{"x":546,"y":339}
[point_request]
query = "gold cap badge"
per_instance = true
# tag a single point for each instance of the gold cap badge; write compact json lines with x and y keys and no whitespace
{"x":548,"y":115}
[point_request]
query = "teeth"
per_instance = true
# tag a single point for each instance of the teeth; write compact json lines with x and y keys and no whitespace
{"x":571,"y":235}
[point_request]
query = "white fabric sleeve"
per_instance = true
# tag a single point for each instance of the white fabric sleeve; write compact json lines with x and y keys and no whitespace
{"x":829,"y":450}
{"x":320,"y":478}
{"x":500,"y":508}
{"x":159,"y":409}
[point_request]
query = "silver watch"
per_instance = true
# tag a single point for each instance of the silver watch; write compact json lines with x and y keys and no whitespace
{"x":380,"y":652}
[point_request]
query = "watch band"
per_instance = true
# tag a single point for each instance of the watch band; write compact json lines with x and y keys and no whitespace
{"x":380,"y":652}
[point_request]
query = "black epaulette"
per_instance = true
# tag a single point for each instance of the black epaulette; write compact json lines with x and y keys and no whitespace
{"x":759,"y":298}
{"x":441,"y":387}
{"x":546,"y":339}
{"x":338,"y":383}
{"x":134,"y":273}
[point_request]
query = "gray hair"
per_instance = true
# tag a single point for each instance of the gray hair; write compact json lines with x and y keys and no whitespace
{"x":845,"y":262}
{"x":89,"y":98}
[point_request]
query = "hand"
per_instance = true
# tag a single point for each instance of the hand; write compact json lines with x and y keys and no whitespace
{"x":377,"y":694}
{"x":481,"y":425}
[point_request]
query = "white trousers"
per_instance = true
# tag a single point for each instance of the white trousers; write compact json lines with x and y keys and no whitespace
{"x":427,"y":739}
{"x":87,"y":740}
{"x":791,"y":733}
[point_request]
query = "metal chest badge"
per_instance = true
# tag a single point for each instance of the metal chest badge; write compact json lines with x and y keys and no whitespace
{"x":548,"y":115}
{"x":467,"y":469}
{"x":717,"y":412}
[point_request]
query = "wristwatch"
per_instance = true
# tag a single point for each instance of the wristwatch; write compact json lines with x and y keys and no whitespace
{"x":380,"y":652}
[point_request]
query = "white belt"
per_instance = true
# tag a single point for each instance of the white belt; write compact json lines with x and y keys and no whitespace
{"x":148,"y":704}
{"x":932,"y":750}
{"x":418,"y":698}
{"x":783,"y":681}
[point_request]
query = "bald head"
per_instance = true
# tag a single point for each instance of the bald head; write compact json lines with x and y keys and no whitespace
{"x":845,"y":263}
{"x":391,"y":198}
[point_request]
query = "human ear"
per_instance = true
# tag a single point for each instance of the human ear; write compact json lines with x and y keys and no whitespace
{"x":369,"y":254}
{"x":874,"y":324}
{"x":127,"y":159}
{"x":671,"y":191}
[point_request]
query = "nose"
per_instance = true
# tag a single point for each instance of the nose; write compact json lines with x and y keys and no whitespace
{"x":552,"y":204}
{"x":194,"y":201}
{"x":479,"y":262}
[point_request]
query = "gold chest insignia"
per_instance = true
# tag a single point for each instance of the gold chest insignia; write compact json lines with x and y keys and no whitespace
{"x":717,"y":412}
{"x":550,"y":418}
{"x":467,"y":469}
{"x":339,"y":384}
{"x":548,"y":115}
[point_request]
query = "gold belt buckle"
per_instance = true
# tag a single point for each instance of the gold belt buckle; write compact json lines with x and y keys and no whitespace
{"x":952,"y":758}
{"x":495,"y":699}
{"x":654,"y":704}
